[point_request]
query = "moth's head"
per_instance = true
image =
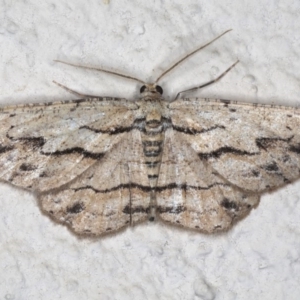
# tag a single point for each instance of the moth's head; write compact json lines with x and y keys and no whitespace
{"x":151,"y":90}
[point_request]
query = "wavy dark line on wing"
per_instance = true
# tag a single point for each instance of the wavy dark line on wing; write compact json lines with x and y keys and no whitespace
{"x":262,"y":143}
{"x":118,"y":187}
{"x":78,"y":150}
{"x":171,"y":209}
{"x":116,"y":130}
{"x":223,"y":150}
{"x":135,"y":209}
{"x":137,"y":124}
{"x":38,"y":142}
{"x":148,"y":188}
{"x":188,"y":130}
{"x":186,"y":187}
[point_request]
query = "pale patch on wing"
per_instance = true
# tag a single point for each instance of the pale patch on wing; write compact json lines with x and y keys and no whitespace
{"x":111,"y":194}
{"x":192,"y":194}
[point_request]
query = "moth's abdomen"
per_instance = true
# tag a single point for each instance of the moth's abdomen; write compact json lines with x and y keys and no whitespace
{"x":152,"y":148}
{"x":152,"y":139}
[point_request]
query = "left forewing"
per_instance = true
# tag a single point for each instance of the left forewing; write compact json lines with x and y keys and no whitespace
{"x":44,"y":146}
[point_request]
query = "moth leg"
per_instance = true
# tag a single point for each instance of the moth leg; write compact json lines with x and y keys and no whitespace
{"x":209,"y":82}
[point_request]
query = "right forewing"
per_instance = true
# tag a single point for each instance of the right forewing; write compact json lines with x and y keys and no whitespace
{"x":255,"y":147}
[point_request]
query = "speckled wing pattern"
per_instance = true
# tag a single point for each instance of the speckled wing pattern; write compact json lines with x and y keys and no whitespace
{"x":99,"y":164}
{"x":59,"y":151}
{"x":220,"y":155}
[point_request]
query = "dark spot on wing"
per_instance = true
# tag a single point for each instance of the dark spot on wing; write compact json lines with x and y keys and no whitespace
{"x":32,"y":142}
{"x":227,"y":204}
{"x":265,"y":143}
{"x":76,"y":208}
{"x":226,"y":102}
{"x":295,"y":148}
{"x":27,"y":167}
{"x":255,"y":173}
{"x":272,"y":167}
{"x":4,"y":149}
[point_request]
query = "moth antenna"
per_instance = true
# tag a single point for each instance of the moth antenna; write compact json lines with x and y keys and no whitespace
{"x":101,"y":70}
{"x":209,"y":82}
{"x":190,"y":54}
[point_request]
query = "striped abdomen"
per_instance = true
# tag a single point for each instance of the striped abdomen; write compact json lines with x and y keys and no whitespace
{"x":152,"y":139}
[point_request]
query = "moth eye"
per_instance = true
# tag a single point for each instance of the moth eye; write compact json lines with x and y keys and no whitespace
{"x":142,"y":90}
{"x":159,"y":89}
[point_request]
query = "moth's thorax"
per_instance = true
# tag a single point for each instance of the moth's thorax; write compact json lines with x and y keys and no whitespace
{"x":151,"y":102}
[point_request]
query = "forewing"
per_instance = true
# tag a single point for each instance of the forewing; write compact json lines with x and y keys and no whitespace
{"x":44,"y":146}
{"x":111,"y":194}
{"x":219,"y":156}
{"x":192,"y":194}
{"x":253,"y":147}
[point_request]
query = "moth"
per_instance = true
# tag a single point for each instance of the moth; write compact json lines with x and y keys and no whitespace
{"x":98,"y":164}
